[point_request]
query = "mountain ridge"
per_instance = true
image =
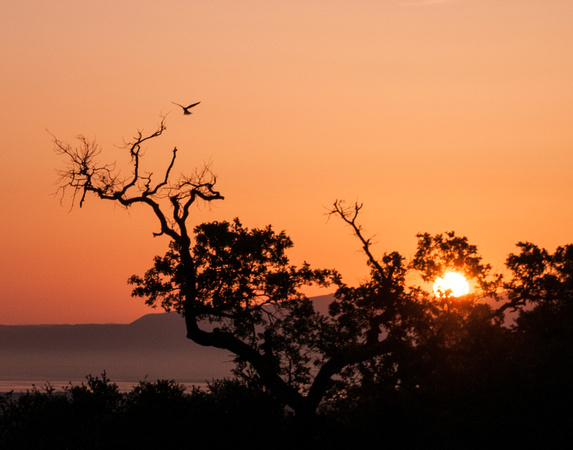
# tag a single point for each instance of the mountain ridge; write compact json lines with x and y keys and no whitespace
{"x":154,"y":346}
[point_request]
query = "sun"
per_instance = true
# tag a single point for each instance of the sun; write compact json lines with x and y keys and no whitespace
{"x":451,"y":283}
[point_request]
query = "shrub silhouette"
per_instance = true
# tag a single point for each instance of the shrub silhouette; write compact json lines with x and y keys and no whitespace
{"x":158,"y":414}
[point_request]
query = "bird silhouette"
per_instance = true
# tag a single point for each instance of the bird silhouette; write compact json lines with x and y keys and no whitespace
{"x":186,"y":111}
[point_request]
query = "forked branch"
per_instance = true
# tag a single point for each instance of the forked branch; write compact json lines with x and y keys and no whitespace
{"x":85,"y":174}
{"x":349,"y":214}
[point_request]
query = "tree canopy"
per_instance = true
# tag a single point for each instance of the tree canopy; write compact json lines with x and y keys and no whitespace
{"x":385,"y":340}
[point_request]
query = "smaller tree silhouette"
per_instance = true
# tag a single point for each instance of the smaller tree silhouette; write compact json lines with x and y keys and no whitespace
{"x":541,"y":291}
{"x":424,"y":329}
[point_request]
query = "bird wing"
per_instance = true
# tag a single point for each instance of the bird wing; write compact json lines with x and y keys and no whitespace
{"x":194,"y":104}
{"x":178,"y":105}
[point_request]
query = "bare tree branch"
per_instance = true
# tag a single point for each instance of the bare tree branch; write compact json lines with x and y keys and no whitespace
{"x":349,"y":214}
{"x":85,"y":174}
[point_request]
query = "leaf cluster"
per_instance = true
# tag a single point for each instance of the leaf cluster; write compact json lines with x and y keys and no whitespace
{"x":246,"y":286}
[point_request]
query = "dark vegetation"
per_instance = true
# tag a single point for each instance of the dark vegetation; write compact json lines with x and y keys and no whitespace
{"x":161,"y":414}
{"x":391,"y":364}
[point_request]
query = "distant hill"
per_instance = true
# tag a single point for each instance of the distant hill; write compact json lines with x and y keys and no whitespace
{"x":154,"y":346}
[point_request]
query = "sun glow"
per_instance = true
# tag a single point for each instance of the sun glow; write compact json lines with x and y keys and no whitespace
{"x":452,"y":284}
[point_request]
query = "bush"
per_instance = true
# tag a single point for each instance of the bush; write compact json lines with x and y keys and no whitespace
{"x":161,"y":414}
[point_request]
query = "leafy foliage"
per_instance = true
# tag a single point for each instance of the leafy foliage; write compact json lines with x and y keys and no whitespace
{"x":445,"y":252}
{"x":245,"y":286}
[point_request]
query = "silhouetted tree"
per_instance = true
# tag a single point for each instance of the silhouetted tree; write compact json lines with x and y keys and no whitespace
{"x":417,"y":325}
{"x":540,"y":290}
{"x":240,"y":280}
{"x":460,"y":377}
{"x":382,"y":336}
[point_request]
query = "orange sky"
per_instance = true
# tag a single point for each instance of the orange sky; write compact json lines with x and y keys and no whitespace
{"x":437,"y":115}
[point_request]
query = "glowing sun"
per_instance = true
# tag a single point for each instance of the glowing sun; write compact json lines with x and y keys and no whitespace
{"x":452,"y":284}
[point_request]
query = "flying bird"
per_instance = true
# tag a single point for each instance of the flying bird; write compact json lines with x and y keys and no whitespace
{"x":186,"y":111}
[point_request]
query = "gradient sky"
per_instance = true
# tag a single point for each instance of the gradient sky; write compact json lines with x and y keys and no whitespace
{"x":437,"y":115}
